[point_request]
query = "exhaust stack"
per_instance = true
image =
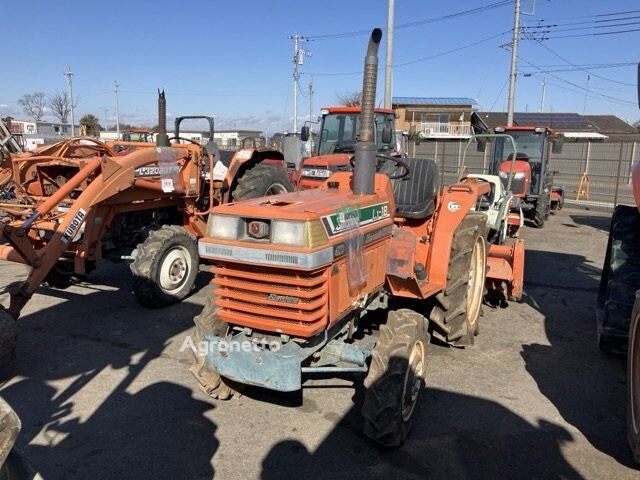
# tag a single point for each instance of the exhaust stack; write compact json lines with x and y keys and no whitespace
{"x":162,"y":140}
{"x":365,"y":162}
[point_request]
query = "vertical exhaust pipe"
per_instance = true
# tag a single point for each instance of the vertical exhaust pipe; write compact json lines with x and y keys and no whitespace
{"x":365,"y":162}
{"x":162,"y":140}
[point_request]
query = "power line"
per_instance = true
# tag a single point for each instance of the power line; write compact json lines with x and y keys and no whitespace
{"x":576,"y":29}
{"x":541,"y":23}
{"x":600,"y":15}
{"x":583,"y":69}
{"x":483,"y":8}
{"x":591,"y":34}
{"x":583,"y":89}
{"x":423,"y":59}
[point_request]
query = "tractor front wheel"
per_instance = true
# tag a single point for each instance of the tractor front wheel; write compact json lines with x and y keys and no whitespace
{"x":633,"y":382}
{"x":8,"y":338}
{"x":210,"y":382}
{"x":165,"y":267}
{"x":260,"y":181}
{"x":395,"y":378}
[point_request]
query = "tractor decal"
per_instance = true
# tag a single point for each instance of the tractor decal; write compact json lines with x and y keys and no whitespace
{"x":344,"y":221}
{"x":74,"y":226}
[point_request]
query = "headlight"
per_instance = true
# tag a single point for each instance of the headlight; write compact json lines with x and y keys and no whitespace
{"x":503,"y":174}
{"x":284,"y":232}
{"x":223,"y":226}
{"x":519,"y":176}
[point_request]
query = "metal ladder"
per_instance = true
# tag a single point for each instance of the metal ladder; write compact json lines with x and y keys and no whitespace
{"x":7,"y":141}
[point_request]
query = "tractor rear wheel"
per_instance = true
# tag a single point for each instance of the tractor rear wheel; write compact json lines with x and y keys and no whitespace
{"x":165,"y":267}
{"x":538,"y":217}
{"x":8,"y":338}
{"x":633,"y":382}
{"x":262,"y":180}
{"x":459,"y":306}
{"x":396,"y":377}
{"x":210,"y":382}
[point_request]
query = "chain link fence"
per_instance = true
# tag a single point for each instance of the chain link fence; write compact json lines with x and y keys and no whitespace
{"x":592,"y":173}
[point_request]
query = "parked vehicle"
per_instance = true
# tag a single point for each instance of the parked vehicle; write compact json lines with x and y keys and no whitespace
{"x":77,"y":201}
{"x":297,"y":275}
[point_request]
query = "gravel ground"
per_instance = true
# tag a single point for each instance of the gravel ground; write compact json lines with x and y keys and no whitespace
{"x":104,"y":390}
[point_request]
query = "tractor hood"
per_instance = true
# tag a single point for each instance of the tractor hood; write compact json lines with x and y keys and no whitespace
{"x":521,"y":182}
{"x":315,"y":170}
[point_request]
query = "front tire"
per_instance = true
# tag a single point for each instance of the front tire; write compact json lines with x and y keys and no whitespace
{"x":209,"y":381}
{"x":165,"y":267}
{"x":633,"y":382}
{"x":262,"y":180}
{"x":395,"y":378}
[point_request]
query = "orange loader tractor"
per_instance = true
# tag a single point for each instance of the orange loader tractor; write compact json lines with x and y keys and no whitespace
{"x":67,"y":205}
{"x":297,"y":275}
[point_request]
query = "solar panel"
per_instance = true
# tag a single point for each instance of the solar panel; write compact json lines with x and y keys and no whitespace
{"x":558,"y":121}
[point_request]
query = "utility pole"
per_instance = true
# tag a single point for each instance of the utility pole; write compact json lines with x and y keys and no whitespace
{"x":586,"y":95}
{"x":69,"y":75}
{"x":544,"y":91}
{"x":298,"y":59}
{"x":117,"y":85}
{"x":106,"y":119}
{"x":388,"y":74}
{"x":311,"y":101}
{"x":514,"y":63}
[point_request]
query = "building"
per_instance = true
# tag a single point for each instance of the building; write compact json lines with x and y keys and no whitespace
{"x":435,"y":117}
{"x":231,"y":139}
{"x":574,"y":127}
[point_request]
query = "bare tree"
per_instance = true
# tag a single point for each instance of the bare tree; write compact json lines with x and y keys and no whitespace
{"x":33,"y":105}
{"x":349,"y":99}
{"x":60,"y":105}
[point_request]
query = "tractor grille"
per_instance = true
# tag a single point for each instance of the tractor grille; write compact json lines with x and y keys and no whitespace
{"x":518,"y":185}
{"x":272,"y":299}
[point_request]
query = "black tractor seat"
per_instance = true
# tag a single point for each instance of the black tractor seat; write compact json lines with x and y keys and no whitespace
{"x":415,"y":194}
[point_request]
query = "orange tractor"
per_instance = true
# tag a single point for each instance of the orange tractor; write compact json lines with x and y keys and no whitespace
{"x":297,"y":275}
{"x":532,"y":183}
{"x":337,"y":142}
{"x":75,"y":202}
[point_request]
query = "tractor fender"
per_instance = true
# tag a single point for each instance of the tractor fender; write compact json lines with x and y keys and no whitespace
{"x":245,"y":159}
{"x":456,"y":203}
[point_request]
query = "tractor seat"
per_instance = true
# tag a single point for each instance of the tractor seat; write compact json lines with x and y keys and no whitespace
{"x":415,"y":194}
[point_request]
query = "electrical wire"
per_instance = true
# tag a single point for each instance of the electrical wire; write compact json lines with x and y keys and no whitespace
{"x":483,"y":8}
{"x":600,"y":95}
{"x":418,"y":60}
{"x":554,"y":53}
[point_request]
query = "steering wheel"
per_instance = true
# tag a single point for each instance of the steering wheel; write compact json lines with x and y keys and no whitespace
{"x":185,"y":139}
{"x":405,"y":168}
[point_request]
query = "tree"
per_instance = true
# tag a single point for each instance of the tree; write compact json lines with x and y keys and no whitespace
{"x":90,"y":125}
{"x":33,"y":105}
{"x":349,"y":99}
{"x":60,"y":105}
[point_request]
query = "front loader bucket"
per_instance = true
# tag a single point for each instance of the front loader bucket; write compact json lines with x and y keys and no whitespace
{"x":505,"y":270}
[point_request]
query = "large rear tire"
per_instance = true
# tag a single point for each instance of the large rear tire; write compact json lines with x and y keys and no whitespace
{"x":165,"y":267}
{"x":261,"y":180}
{"x":633,"y":382}
{"x":620,"y":280}
{"x":209,"y":381}
{"x":459,"y":306}
{"x":8,"y":338}
{"x":395,"y":378}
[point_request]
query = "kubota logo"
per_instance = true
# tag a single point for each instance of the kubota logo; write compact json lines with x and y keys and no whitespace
{"x":453,"y":206}
{"x":282,"y":298}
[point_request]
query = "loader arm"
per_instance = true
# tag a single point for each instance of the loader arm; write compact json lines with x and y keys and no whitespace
{"x":112,"y":177}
